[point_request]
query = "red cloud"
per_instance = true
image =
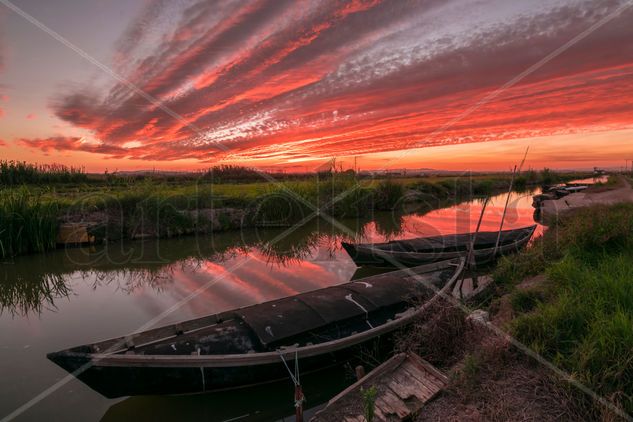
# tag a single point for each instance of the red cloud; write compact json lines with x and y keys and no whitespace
{"x":279,"y":80}
{"x":31,"y":116}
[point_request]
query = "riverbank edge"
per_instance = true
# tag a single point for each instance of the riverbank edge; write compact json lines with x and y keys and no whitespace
{"x":491,"y":375}
{"x":31,"y":222}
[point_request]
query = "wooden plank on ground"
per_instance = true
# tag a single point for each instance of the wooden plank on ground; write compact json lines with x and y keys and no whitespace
{"x":406,"y":387}
{"x":404,"y":384}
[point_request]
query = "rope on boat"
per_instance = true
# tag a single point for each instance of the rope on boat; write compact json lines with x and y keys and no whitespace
{"x":362,"y":308}
{"x":292,"y":377}
{"x":296,"y":378}
{"x":204,"y":381}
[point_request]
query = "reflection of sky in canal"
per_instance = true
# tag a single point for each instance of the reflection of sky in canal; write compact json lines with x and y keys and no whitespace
{"x":248,"y":276}
{"x":463,"y":218}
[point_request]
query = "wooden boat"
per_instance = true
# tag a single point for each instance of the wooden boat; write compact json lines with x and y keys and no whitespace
{"x":556,"y":192}
{"x":423,"y":250}
{"x":560,"y":191}
{"x":247,"y":346}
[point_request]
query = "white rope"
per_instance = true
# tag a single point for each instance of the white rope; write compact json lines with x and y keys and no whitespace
{"x":297,"y":367}
{"x":292,"y":377}
{"x":296,"y":377}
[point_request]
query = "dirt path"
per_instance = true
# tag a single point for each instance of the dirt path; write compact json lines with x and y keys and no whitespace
{"x":555,"y":207}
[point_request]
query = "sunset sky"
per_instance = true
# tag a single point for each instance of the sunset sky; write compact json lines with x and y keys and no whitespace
{"x":187,"y":84}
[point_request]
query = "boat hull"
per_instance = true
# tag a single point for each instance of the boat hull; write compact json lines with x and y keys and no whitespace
{"x":119,"y":381}
{"x":374,"y":255}
{"x":248,"y":346}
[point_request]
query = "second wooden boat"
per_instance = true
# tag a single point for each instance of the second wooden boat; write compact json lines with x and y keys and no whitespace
{"x":423,"y":250}
{"x":248,"y":346}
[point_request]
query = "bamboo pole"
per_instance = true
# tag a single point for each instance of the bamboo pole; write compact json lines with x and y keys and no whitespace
{"x":505,"y":209}
{"x":471,"y":262}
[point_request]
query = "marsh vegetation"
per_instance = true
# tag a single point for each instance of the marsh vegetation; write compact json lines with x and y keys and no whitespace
{"x":581,"y":316}
{"x":34,"y":199}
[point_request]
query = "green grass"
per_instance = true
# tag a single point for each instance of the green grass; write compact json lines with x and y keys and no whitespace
{"x":525,"y":300}
{"x":583,"y":318}
{"x":27,"y":223}
{"x":158,"y":206}
{"x":20,"y":172}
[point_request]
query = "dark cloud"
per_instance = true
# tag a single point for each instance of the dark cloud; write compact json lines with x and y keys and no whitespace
{"x":282,"y":79}
{"x":63,"y":143}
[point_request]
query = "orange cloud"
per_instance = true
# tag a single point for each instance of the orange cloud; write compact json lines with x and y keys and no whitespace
{"x":282,"y":81}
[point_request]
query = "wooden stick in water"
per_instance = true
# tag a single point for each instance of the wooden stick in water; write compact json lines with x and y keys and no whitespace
{"x":470,"y":260}
{"x":505,"y":209}
{"x":524,"y":157}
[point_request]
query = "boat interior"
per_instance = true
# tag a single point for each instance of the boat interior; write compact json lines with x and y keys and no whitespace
{"x":308,"y":318}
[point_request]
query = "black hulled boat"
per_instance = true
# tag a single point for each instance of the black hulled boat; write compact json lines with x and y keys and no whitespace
{"x":423,"y":250}
{"x":245,"y":347}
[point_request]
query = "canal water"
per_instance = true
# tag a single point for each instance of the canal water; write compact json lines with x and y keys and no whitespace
{"x":77,"y":296}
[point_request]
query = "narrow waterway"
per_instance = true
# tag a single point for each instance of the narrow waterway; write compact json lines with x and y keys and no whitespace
{"x":77,"y":296}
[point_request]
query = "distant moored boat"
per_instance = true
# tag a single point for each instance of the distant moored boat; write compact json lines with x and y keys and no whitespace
{"x":423,"y":250}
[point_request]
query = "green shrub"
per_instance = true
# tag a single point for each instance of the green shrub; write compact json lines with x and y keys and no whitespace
{"x":27,"y":223}
{"x":387,"y":194}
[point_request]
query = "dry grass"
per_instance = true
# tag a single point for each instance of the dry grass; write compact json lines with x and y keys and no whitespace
{"x":503,"y":388}
{"x":492,"y":382}
{"x":489,"y":379}
{"x":438,"y":336}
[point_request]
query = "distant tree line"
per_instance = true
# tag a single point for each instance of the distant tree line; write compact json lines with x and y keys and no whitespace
{"x":232,"y":173}
{"x":228,"y":173}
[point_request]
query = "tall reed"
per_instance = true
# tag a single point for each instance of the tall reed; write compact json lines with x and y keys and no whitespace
{"x":21,"y":172}
{"x":27,"y":223}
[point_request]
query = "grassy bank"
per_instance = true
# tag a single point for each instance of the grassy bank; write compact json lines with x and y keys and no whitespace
{"x":581,"y":316}
{"x":27,"y":223}
{"x":157,"y":207}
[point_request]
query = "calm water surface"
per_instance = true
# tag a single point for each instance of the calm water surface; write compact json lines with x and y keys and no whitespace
{"x":77,"y":296}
